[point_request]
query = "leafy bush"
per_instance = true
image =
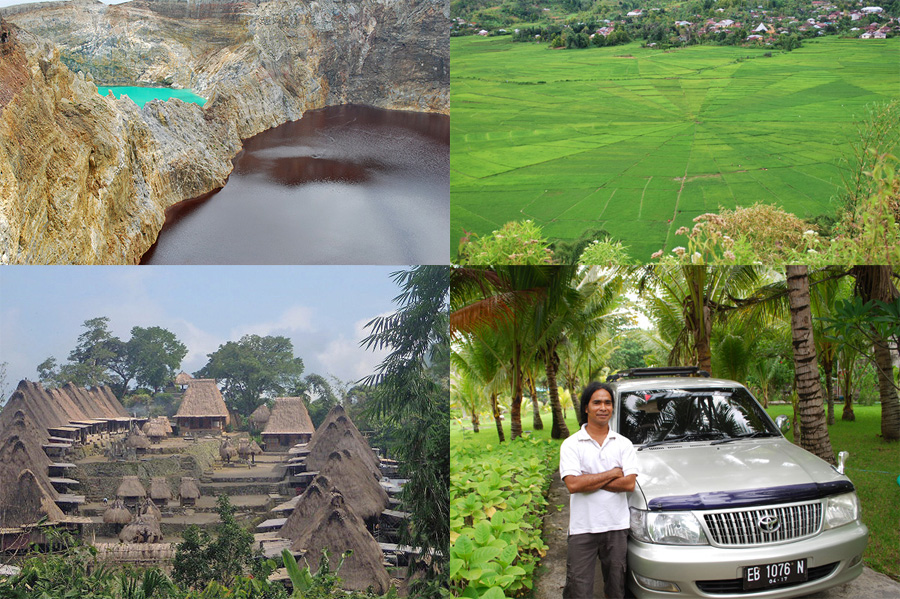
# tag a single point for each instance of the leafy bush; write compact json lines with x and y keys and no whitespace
{"x":514,"y":243}
{"x":497,"y":499}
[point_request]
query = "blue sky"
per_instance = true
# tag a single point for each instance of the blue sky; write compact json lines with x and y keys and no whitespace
{"x":322,"y":309}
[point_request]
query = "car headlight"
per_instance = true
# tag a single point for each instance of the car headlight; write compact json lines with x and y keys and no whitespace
{"x":841,"y":510}
{"x":667,"y":528}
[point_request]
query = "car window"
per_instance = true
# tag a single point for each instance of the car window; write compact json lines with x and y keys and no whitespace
{"x":658,"y":415}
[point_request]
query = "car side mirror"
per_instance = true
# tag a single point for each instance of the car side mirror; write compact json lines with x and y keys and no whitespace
{"x":783,"y":423}
{"x":841,"y":460}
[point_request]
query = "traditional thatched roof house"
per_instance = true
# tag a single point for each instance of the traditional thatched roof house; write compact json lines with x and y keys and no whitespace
{"x":338,"y":529}
{"x":189,"y":492}
{"x":117,"y":513}
{"x":202,"y":407}
{"x":316,"y":497}
{"x":148,"y":508}
{"x":24,"y":500}
{"x":183,"y":380}
{"x":288,"y":424}
{"x":144,"y":529}
{"x":155,"y":430}
{"x":160,"y":492}
{"x":137,"y":440}
{"x":131,"y":490}
{"x":260,"y":417}
{"x":66,"y":415}
{"x":337,"y":433}
{"x":353,"y":479}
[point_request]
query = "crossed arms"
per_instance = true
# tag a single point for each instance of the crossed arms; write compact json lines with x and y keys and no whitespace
{"x":612,"y":480}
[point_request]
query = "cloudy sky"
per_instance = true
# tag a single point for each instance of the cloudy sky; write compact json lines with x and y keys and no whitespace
{"x":322,"y":309}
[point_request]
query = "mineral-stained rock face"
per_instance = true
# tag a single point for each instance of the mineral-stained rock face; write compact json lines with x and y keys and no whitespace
{"x":86,"y":179}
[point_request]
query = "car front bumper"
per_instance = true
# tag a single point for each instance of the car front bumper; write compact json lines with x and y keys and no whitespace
{"x":707,"y":571}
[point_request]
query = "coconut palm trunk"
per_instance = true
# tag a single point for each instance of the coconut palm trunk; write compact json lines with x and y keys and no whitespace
{"x":495,"y":410}
{"x":874,"y":283}
{"x":813,"y":428}
{"x":515,"y":409}
{"x":536,"y":422}
{"x":559,"y":429}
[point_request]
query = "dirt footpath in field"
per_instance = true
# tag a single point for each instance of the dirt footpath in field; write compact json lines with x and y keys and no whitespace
{"x":551,"y":574}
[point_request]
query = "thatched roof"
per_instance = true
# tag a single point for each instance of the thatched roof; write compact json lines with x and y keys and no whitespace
{"x":183,"y":378}
{"x":155,"y":428}
{"x":255,"y":449}
{"x":137,"y":439}
{"x":23,"y":501}
{"x":339,"y":529}
{"x":148,"y":508}
{"x":189,"y":488}
{"x":289,"y":417}
{"x":260,"y":416}
{"x":144,"y":529}
{"x":159,"y":488}
{"x":131,"y":487}
{"x":202,"y":398}
{"x":356,"y":483}
{"x":227,"y":450}
{"x":337,"y":433}
{"x":164,"y":420}
{"x":314,"y":498}
{"x":18,"y":454}
{"x":20,"y":426}
{"x":117,"y":513}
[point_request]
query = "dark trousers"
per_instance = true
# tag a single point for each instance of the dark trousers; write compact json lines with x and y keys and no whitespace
{"x":583,"y":551}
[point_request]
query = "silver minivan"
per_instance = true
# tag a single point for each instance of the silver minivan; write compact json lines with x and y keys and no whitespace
{"x":724,"y":505}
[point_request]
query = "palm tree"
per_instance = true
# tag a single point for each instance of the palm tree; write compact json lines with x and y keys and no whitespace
{"x":687,"y":300}
{"x":814,"y":430}
{"x":478,"y":361}
{"x":875,"y":283}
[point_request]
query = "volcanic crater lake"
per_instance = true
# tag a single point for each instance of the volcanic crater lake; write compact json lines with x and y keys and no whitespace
{"x":142,"y":95}
{"x":343,"y":185}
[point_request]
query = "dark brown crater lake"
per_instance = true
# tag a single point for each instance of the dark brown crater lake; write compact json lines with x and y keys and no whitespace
{"x":343,"y":185}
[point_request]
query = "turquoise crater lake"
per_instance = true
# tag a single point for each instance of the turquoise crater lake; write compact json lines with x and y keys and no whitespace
{"x":142,"y":95}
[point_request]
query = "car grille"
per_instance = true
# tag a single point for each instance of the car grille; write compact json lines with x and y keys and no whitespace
{"x":736,"y":585}
{"x":739,"y":528}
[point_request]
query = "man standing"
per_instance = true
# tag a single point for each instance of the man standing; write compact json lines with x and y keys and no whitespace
{"x":598,"y":466}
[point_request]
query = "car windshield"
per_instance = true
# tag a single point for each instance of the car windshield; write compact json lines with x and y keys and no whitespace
{"x":657,"y":416}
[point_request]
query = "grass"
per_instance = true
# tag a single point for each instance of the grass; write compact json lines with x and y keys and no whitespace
{"x":872,"y":466}
{"x":638,"y":140}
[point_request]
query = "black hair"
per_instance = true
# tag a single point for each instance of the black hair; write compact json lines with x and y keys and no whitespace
{"x":586,"y":395}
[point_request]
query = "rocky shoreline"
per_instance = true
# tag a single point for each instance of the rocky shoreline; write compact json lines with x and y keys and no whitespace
{"x":86,"y":179}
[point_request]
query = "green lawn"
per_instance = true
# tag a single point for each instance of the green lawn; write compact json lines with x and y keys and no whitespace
{"x":640,"y":141}
{"x":873,"y":467}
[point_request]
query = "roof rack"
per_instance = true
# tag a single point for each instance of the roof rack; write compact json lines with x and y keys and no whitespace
{"x":636,"y":373}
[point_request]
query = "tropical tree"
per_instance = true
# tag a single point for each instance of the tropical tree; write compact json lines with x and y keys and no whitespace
{"x":410,"y":390}
{"x":155,"y":355}
{"x":253,"y":369}
{"x":687,"y":300}
{"x":814,"y":429}
{"x":479,"y":361}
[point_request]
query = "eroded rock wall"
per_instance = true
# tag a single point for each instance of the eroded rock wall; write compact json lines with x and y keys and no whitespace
{"x":85,"y":179}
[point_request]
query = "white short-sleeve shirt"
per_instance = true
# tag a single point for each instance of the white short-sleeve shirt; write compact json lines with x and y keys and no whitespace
{"x":598,"y":511}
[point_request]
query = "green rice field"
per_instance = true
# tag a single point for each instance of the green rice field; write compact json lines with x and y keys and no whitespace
{"x":640,"y":141}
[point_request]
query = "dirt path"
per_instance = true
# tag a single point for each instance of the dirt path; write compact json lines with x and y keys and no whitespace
{"x":550,"y":576}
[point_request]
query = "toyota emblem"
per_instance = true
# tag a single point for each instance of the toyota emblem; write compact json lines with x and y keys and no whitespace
{"x":768,"y":523}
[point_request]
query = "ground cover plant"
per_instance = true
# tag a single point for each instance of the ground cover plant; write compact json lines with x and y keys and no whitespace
{"x":639,"y":142}
{"x":497,"y":499}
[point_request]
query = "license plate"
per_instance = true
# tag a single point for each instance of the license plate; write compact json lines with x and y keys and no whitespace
{"x":771,"y":575}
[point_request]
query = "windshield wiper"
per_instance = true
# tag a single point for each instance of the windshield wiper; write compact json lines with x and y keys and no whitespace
{"x":747,"y":436}
{"x":685,"y":437}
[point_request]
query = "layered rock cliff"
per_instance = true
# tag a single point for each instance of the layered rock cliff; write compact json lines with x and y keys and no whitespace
{"x":86,"y":179}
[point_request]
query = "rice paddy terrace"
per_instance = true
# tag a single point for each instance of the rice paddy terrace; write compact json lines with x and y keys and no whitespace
{"x":640,"y":141}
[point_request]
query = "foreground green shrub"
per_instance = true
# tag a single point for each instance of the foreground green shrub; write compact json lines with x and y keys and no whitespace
{"x":497,"y":499}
